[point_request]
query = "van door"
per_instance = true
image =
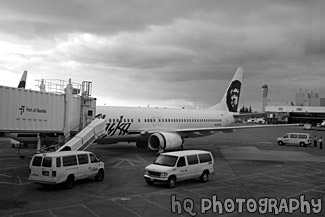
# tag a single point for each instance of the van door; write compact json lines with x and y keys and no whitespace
{"x":94,"y":164}
{"x":293,"y":138}
{"x":70,"y":166}
{"x":84,"y":170}
{"x":286,"y":138}
{"x":181,"y":169}
{"x":193,"y":170}
{"x":41,"y":167}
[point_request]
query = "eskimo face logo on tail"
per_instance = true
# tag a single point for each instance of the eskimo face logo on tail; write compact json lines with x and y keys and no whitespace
{"x":233,"y":96}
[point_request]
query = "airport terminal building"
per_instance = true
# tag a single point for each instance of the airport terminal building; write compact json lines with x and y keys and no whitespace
{"x":295,"y":114}
{"x":308,"y":108}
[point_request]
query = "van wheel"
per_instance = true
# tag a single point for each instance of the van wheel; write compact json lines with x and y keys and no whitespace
{"x":171,"y":182}
{"x":280,"y":143}
{"x":69,"y":182}
{"x":204,"y":177}
{"x":100,"y":176}
{"x":302,"y":144}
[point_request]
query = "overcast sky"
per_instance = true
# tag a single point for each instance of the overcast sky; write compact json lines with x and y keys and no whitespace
{"x":169,"y":53}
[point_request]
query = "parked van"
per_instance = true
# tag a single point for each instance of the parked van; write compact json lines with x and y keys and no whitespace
{"x":302,"y":139}
{"x":170,"y":167}
{"x":65,"y":167}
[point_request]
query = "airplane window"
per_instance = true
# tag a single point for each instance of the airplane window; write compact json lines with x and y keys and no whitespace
{"x":124,"y":120}
{"x":113,"y":120}
{"x":128,"y":120}
{"x":174,"y":120}
{"x":110,"y":120}
{"x":145,"y":120}
{"x":154,"y":120}
{"x":131,"y":119}
{"x":158,"y":120}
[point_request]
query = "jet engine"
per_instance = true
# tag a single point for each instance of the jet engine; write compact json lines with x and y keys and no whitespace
{"x":165,"y":141}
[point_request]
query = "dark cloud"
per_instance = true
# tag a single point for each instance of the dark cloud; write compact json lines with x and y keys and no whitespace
{"x":172,"y":51}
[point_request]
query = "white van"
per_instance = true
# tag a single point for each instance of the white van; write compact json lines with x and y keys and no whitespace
{"x":302,"y":139}
{"x":65,"y":167}
{"x":180,"y":165}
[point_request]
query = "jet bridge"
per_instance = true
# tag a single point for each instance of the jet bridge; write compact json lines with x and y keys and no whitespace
{"x":86,"y":137}
{"x":60,"y":109}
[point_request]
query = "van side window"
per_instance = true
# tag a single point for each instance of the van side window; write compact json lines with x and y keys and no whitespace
{"x":205,"y":158}
{"x":294,"y":136}
{"x":58,"y":162}
{"x":93,"y":159}
{"x":181,"y":162}
{"x":47,"y":162}
{"x":37,"y":161}
{"x":302,"y":136}
{"x":69,"y":161}
{"x":83,"y":158}
{"x":192,"y":159}
{"x":286,"y":136}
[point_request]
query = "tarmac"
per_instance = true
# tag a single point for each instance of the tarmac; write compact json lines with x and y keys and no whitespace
{"x":254,"y":176}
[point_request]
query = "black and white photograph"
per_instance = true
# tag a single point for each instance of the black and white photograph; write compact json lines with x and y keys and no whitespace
{"x":140,"y":108}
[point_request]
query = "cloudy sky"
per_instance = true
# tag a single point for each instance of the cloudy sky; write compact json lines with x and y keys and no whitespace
{"x":169,"y":53}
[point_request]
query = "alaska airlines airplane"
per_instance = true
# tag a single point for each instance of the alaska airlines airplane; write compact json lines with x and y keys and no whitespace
{"x":165,"y":129}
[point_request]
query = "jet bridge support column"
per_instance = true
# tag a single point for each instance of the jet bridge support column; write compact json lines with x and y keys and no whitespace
{"x":67,"y":102}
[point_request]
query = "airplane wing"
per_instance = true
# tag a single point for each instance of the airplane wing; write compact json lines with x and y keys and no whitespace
{"x":231,"y":128}
{"x":250,"y":115}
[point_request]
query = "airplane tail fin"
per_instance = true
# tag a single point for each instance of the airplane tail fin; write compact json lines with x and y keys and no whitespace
{"x":230,"y":100}
{"x":22,"y":83}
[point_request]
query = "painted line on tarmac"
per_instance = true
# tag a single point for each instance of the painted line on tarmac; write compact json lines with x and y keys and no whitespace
{"x":52,"y":214}
{"x":142,"y":159}
{"x":5,"y":175}
{"x":114,"y":200}
{"x":13,"y":167}
{"x":154,"y":203}
{"x":87,"y":208}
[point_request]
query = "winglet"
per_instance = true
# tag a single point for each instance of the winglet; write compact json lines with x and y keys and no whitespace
{"x":22,"y":83}
{"x":230,"y":99}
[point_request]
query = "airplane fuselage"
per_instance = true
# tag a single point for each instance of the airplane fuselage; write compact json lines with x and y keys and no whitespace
{"x":127,"y":123}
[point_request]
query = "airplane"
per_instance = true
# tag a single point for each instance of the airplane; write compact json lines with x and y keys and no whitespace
{"x":22,"y":83}
{"x":164,"y":129}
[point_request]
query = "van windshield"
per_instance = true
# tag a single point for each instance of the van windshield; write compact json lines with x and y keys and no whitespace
{"x":166,"y":160}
